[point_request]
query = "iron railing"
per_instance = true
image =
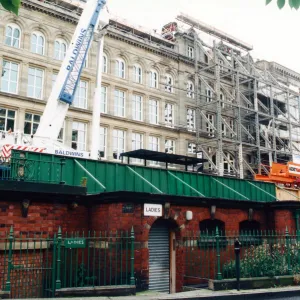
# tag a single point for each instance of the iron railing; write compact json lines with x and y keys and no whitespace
{"x":263,"y":254}
{"x":36,"y":265}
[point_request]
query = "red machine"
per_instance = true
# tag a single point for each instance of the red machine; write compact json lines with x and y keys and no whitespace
{"x":288,"y":174}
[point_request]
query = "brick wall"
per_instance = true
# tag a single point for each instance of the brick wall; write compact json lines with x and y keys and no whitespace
{"x":42,"y":218}
{"x":47,"y":217}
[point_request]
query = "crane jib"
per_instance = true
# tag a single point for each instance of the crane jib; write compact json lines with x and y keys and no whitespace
{"x":76,"y":48}
{"x":77,"y":57}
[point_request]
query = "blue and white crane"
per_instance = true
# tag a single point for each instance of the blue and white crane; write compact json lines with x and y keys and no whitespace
{"x":64,"y":89}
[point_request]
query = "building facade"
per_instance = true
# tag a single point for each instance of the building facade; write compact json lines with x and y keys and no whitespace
{"x":172,"y":93}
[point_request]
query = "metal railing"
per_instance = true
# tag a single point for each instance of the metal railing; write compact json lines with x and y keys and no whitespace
{"x":263,"y":254}
{"x":36,"y":265}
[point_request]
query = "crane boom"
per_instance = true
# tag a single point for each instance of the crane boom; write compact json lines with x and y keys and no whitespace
{"x":64,"y":89}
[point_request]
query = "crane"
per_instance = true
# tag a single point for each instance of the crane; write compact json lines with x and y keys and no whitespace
{"x":63,"y":92}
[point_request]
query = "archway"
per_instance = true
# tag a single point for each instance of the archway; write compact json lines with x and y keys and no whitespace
{"x":162,"y":266}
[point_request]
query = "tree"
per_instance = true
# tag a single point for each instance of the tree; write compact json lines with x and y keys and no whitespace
{"x":11,"y":5}
{"x":293,"y":3}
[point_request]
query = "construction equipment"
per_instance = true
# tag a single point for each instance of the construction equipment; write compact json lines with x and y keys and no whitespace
{"x":63,"y":91}
{"x":288,"y":175}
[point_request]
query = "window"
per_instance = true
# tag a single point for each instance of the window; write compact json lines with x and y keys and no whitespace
{"x":191,"y":148}
{"x":103,"y":142}
{"x":32,"y":122}
{"x":137,"y":73}
{"x":37,"y":43}
{"x":137,"y":108}
{"x":137,"y":143}
{"x":79,"y":136}
{"x":222,"y":98}
{"x":208,"y":94}
{"x":61,"y":134}
{"x":191,"y":119}
{"x":120,"y":68}
{"x":169,"y":84}
{"x":104,"y":63}
{"x":249,"y":232}
{"x":190,"y":52}
{"x":223,"y":127}
{"x":35,"y":83}
{"x":210,"y":125}
{"x":153,"y":143}
{"x":154,"y":146}
{"x":169,"y":114}
{"x":153,"y":111}
{"x":221,"y":64}
{"x":103,"y":104}
{"x":60,"y":49}
{"x":9,"y":79}
{"x":231,"y":124}
{"x":209,"y":227}
{"x":118,"y":143}
{"x":119,"y":106}
{"x":80,"y":99}
{"x":12,"y":35}
{"x":7,"y":119}
{"x":190,"y":90}
{"x":153,"y":79}
{"x":170,"y":146}
{"x":227,"y":167}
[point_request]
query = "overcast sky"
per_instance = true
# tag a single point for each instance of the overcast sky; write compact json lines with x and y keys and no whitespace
{"x":273,"y":33}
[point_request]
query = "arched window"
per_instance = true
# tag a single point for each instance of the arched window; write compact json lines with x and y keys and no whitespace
{"x":137,"y":74}
{"x":249,"y":226}
{"x":153,"y":79}
{"x":249,"y":232}
{"x":104,"y":63}
{"x":37,"y":43}
{"x":208,"y":93}
{"x":190,"y":90}
{"x":169,"y":84}
{"x":222,"y":98}
{"x":208,"y":230}
{"x":60,"y":49}
{"x":209,"y":227}
{"x":12,"y":35}
{"x":120,"y":68}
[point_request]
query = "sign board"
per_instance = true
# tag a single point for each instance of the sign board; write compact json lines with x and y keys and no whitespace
{"x":294,"y":169}
{"x":75,"y":243}
{"x":153,"y":210}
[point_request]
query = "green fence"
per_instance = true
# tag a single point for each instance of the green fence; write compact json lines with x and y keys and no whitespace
{"x":100,"y":176}
{"x":35,"y":265}
{"x":263,"y":254}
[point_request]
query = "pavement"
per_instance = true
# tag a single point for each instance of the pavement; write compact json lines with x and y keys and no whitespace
{"x":204,"y":294}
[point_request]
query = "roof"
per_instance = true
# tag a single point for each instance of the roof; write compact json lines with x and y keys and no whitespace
{"x":164,"y":157}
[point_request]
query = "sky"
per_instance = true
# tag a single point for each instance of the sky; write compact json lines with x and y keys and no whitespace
{"x":273,"y":33}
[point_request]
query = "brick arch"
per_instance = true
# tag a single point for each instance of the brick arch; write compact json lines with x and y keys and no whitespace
{"x":151,"y":220}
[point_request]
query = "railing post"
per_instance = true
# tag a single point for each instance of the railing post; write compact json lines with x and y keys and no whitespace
{"x":132,"y":281}
{"x":9,"y":267}
{"x":219,"y":275}
{"x":59,"y":239}
{"x":287,"y":238}
{"x":62,"y":163}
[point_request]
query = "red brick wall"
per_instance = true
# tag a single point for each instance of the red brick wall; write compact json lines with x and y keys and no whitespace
{"x":42,"y":218}
{"x":110,"y":217}
{"x":47,"y":217}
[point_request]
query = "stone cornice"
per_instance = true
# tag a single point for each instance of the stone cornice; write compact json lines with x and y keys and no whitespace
{"x":52,"y":9}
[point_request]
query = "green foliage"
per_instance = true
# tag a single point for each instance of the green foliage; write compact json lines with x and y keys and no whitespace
{"x":281,"y":3}
{"x":265,"y":260}
{"x":11,"y":5}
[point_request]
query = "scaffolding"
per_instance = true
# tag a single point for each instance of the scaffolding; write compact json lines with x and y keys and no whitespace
{"x":247,"y":117}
